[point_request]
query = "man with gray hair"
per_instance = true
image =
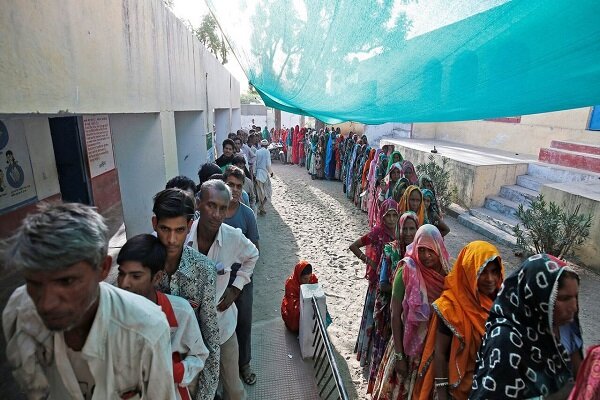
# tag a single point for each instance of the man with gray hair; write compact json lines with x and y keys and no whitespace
{"x":225,"y":246}
{"x":69,"y":335}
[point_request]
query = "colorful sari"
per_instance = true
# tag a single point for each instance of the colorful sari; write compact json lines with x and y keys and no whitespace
{"x":464,"y":311}
{"x":404,"y":205}
{"x":339,"y":147}
{"x":393,"y":252}
{"x":520,"y":356}
{"x":587,"y":385}
{"x":388,"y":185}
{"x":391,"y":160}
{"x":408,"y":171}
{"x":290,"y":305}
{"x":375,"y":240}
{"x":418,"y":287}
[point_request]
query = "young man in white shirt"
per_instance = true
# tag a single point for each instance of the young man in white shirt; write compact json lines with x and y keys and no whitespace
{"x":141,"y":261}
{"x":263,"y":182}
{"x":226,"y":246}
{"x":69,"y":335}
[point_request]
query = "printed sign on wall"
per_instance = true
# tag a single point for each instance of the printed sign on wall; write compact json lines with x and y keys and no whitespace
{"x":98,"y":143}
{"x":210,"y":149}
{"x":17,"y":186}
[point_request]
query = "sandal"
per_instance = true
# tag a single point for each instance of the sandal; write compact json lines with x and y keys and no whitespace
{"x":248,"y":376}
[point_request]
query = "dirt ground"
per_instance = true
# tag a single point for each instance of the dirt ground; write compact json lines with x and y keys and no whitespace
{"x":313,"y":220}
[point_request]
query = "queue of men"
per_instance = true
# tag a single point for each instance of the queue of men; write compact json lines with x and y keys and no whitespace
{"x":179,"y":324}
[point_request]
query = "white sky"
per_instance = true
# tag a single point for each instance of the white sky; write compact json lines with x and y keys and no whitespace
{"x":193,"y":11}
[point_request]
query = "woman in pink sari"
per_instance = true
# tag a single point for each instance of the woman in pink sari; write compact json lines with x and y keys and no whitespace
{"x":375,"y":240}
{"x":419,"y":281}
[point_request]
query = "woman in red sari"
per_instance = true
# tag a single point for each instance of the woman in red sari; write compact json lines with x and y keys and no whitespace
{"x":295,"y":140}
{"x":290,"y":305}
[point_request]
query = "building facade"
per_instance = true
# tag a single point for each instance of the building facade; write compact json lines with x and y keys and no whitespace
{"x":102,"y":103}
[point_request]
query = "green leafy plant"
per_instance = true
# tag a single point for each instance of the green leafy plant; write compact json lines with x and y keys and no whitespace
{"x":445,"y":193}
{"x":548,"y":228}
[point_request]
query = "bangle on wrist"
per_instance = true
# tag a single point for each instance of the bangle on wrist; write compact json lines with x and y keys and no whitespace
{"x":441,"y":382}
{"x":399,"y":356}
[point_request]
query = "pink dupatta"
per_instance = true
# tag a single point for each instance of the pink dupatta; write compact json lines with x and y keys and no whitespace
{"x":422,"y":286}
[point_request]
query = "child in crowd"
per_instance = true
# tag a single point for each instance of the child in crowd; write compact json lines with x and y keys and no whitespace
{"x":141,"y":261}
{"x":290,"y":305}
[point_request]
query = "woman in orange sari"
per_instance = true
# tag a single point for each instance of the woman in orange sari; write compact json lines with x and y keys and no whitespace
{"x":412,"y":200}
{"x":290,"y":305}
{"x":458,"y":323}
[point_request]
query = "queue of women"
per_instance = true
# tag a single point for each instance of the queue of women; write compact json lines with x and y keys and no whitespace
{"x":432,"y":330}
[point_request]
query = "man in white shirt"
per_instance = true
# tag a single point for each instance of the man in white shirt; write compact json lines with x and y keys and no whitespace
{"x":68,"y":334}
{"x":141,"y":261}
{"x":225,"y":246}
{"x":263,"y":182}
{"x":250,"y":152}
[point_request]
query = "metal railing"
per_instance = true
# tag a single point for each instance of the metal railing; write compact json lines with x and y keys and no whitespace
{"x":323,"y":354}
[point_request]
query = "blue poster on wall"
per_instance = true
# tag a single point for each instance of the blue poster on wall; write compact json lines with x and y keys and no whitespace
{"x":17,"y":186}
{"x":595,"y":119}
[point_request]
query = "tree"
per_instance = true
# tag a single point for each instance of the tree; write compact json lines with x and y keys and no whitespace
{"x":209,"y":34}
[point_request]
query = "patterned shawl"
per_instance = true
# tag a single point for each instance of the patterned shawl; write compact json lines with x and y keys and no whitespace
{"x":520,"y":357}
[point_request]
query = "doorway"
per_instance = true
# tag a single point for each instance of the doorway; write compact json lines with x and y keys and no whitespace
{"x":70,"y":165}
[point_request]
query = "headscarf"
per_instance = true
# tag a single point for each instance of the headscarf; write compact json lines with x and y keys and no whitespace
{"x":391,"y":158}
{"x":404,"y":204}
{"x":464,"y":311}
{"x":520,"y":356}
{"x":434,"y":203}
{"x":587,"y":385}
{"x":399,"y":229}
{"x":379,"y":236}
{"x":290,"y":305}
{"x":422,"y":286}
{"x":392,"y":167}
{"x":425,"y":178}
{"x":408,"y":171}
{"x":399,"y":188}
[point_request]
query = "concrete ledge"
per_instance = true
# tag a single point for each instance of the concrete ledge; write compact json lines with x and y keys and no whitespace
{"x":475,"y":171}
{"x":588,"y":195}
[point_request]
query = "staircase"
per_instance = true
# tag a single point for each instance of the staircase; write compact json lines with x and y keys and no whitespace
{"x":562,"y":162}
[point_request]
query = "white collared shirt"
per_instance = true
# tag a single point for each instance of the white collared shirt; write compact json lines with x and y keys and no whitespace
{"x":229,"y":247}
{"x":127,"y":349}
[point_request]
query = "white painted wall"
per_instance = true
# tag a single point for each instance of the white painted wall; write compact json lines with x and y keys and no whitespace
{"x":389,"y":130}
{"x":138,"y":151}
{"x":236,"y":119}
{"x":527,"y":137}
{"x":112,"y":56}
{"x":221,"y":128}
{"x":190,"y":131}
{"x":259,"y":120}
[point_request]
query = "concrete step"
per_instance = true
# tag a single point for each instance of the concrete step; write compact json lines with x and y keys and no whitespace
{"x":532,"y":182}
{"x":502,"y":206}
{"x":500,"y":221}
{"x":557,"y":173}
{"x":573,"y":159}
{"x":575,"y":146}
{"x":487,"y":230}
{"x":518,"y":194}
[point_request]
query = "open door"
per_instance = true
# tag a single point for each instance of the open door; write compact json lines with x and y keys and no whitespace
{"x":70,"y":164}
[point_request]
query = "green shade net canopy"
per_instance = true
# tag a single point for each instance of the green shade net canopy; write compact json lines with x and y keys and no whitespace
{"x":377,"y":61}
